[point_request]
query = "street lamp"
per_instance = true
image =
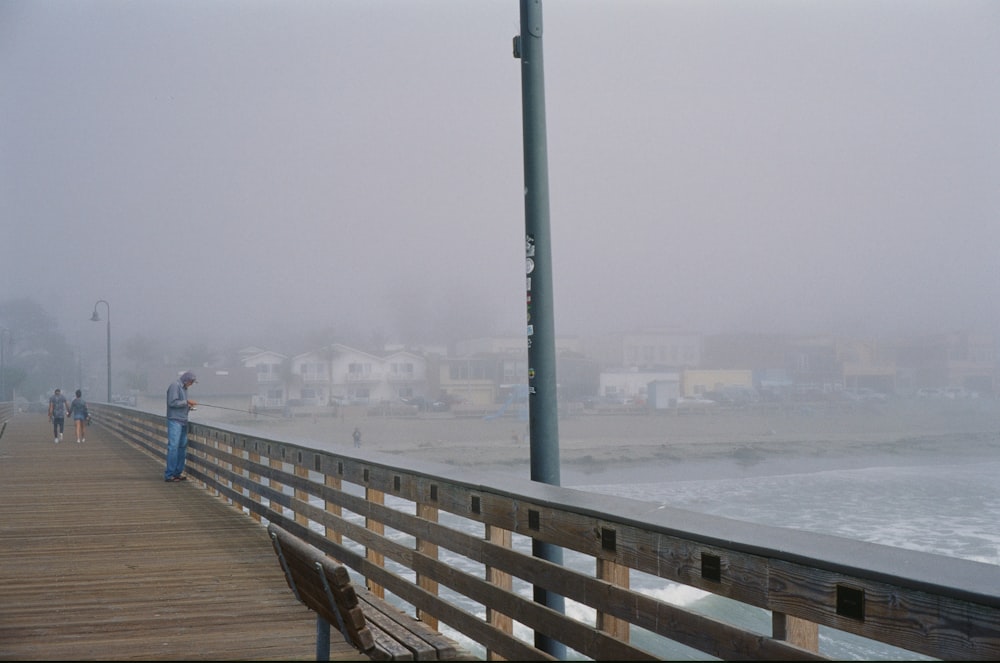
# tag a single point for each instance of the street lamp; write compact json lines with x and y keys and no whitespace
{"x":96,"y":318}
{"x":3,"y":366}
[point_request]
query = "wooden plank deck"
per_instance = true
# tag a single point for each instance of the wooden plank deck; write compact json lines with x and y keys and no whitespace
{"x":100,"y":559}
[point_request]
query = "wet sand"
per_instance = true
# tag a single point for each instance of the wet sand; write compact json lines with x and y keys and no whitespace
{"x":650,"y":446}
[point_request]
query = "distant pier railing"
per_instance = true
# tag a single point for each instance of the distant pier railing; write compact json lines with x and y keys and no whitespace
{"x":453,"y":547}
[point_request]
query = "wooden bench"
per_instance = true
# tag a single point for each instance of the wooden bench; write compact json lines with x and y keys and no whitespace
{"x":378,"y":629}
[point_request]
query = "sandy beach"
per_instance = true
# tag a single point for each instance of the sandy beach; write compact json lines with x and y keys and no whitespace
{"x":591,"y":445}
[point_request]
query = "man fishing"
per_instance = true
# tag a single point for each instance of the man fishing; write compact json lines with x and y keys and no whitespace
{"x":178,"y":406}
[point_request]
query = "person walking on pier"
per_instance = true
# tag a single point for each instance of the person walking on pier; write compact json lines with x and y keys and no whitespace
{"x":178,"y":406}
{"x":81,"y":416}
{"x":57,"y":414}
{"x":357,"y":436}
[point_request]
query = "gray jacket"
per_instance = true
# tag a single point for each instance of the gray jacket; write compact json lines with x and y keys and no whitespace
{"x":177,"y":402}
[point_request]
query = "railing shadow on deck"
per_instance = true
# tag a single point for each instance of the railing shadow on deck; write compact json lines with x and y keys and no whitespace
{"x":454,"y":549}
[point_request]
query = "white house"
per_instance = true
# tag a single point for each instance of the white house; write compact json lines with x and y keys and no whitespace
{"x":271,"y":388}
{"x":337,"y":374}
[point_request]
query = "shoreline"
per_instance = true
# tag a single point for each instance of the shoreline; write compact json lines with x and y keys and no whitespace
{"x":672,"y":446}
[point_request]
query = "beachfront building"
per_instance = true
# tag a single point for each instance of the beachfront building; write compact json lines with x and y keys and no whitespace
{"x":485,"y":371}
{"x":654,"y":348}
{"x":631,"y":387}
{"x":271,"y":388}
{"x":336,"y":374}
{"x":700,"y":381}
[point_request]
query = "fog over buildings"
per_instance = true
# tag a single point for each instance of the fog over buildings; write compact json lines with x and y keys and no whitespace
{"x":235,"y":171}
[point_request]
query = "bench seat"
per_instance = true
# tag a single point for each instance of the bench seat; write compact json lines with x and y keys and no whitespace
{"x":375,"y":627}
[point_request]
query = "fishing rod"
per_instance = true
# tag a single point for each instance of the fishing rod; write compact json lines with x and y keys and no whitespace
{"x":236,"y":409}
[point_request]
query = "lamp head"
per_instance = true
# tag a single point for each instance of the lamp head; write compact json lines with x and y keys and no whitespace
{"x":95,"y":317}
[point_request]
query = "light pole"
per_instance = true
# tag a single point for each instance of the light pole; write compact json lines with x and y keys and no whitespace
{"x":3,"y":362}
{"x":96,"y":318}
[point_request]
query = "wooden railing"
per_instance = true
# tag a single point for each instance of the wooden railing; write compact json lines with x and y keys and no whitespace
{"x":7,"y":410}
{"x":454,"y":548}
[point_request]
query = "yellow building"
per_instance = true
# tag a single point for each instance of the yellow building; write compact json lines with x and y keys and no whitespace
{"x":695,"y":382}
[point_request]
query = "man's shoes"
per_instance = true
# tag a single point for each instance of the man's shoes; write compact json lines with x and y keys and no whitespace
{"x":83,"y":440}
{"x":176,"y":479}
{"x":181,"y":477}
{"x":57,"y":440}
{"x":60,"y":437}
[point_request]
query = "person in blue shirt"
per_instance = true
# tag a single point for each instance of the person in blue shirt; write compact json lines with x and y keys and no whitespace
{"x":57,"y":414}
{"x":178,"y":406}
{"x":81,"y":416}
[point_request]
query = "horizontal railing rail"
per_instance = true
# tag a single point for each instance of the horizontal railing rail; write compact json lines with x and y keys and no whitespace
{"x":454,"y":547}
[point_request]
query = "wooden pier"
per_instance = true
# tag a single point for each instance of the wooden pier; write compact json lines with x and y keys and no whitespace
{"x":100,"y":559}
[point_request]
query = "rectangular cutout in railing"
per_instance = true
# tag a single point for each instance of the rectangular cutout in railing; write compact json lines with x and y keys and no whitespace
{"x":608,"y":539}
{"x":475,"y":504}
{"x":397,"y":483}
{"x":434,"y":492}
{"x":317,"y":463}
{"x":851,"y":602}
{"x":534,"y":520}
{"x":711,"y":567}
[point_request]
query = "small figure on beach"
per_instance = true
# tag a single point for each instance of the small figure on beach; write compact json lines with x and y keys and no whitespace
{"x":357,"y":436}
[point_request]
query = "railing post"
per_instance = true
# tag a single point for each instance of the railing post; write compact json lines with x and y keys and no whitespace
{"x":334,"y":482}
{"x":377,"y":528}
{"x":501,"y":537}
{"x":211,"y":465}
{"x":230,"y":448}
{"x":254,"y":457}
{"x":301,"y":495}
{"x":616,"y":574}
{"x":795,"y":631}
{"x":429,"y":513}
{"x":277,"y":486}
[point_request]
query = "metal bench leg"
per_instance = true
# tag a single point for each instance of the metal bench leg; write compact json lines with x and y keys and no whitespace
{"x":322,"y":639}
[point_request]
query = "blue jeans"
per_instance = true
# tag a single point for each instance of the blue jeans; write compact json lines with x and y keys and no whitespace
{"x":177,"y":442}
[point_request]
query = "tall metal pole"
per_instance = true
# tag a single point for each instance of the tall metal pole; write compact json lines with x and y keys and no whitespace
{"x":96,"y":318}
{"x":543,"y":423}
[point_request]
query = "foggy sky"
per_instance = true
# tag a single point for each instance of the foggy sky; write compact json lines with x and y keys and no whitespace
{"x":231,"y":169}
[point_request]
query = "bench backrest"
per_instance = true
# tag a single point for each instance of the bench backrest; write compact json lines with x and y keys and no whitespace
{"x":323,"y":586}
